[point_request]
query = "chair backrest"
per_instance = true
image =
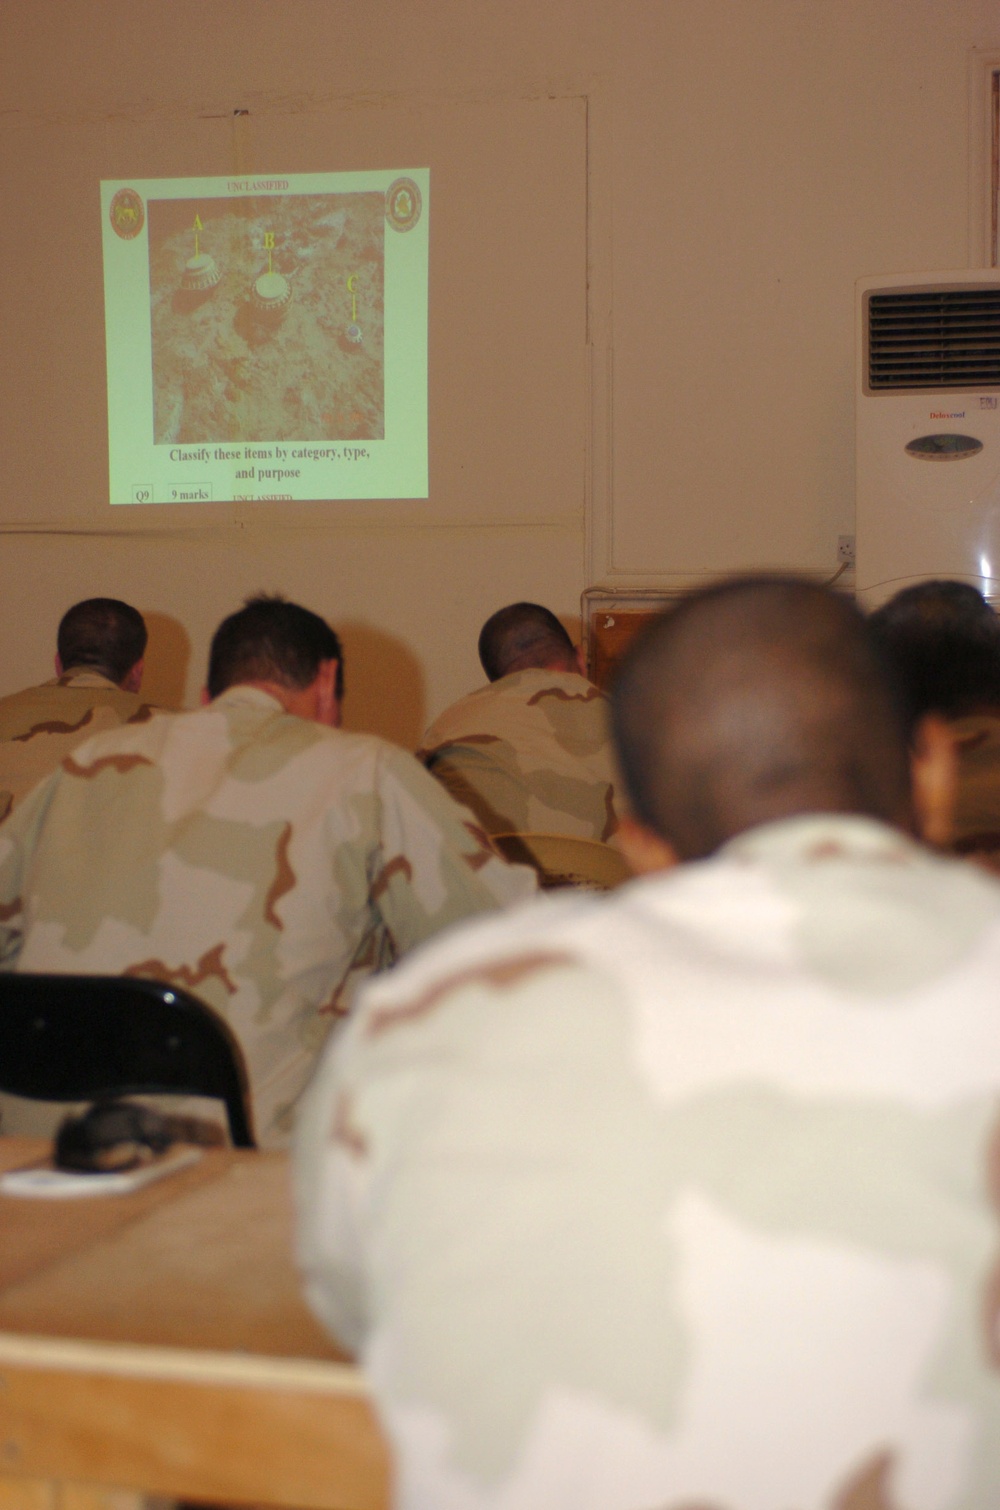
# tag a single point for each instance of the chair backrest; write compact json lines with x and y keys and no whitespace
{"x":85,"y":1037}
{"x":563,"y":860}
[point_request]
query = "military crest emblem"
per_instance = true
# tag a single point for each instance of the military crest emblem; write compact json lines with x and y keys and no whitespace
{"x":127,"y":214}
{"x":402,"y":204}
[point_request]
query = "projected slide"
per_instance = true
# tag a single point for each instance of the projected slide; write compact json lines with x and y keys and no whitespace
{"x":267,"y":337}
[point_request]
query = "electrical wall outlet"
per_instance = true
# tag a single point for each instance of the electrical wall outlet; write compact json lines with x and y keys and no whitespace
{"x":845,"y":550}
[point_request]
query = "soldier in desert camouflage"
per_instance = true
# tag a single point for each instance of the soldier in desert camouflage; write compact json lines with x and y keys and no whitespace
{"x":687,"y":1196}
{"x":100,"y":647}
{"x":251,"y":852}
{"x":532,"y":751}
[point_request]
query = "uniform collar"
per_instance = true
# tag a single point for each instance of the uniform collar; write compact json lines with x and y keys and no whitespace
{"x":823,"y":836}
{"x":83,"y":676}
{"x":245,"y":696}
{"x":544,"y":676}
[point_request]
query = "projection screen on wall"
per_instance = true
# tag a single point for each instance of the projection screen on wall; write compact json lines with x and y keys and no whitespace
{"x":267,"y":337}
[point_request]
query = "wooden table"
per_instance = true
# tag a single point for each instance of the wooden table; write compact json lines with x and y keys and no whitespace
{"x":158,"y":1342}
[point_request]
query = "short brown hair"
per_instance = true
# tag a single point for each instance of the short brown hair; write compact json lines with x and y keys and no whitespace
{"x":272,"y":640}
{"x":104,"y":634}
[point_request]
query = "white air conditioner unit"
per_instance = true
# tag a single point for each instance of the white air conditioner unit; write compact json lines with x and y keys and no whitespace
{"x":928,"y":431}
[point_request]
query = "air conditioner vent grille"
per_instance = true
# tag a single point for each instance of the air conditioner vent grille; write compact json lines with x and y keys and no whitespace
{"x":934,"y":338}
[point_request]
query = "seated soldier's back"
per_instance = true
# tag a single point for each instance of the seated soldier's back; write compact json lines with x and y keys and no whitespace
{"x":530,"y":752}
{"x":259,"y":859}
{"x":39,"y":726}
{"x":680,"y":1197}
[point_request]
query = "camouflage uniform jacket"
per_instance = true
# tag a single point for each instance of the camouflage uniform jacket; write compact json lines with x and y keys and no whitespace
{"x":685,"y":1196}
{"x":257,"y":859}
{"x":42,"y":724}
{"x":530,"y":753}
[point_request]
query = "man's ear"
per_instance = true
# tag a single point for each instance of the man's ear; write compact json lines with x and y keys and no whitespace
{"x":204,"y":697}
{"x":644,"y":850}
{"x":60,"y":668}
{"x":133,"y":678}
{"x":327,"y":702}
{"x":934,"y":776}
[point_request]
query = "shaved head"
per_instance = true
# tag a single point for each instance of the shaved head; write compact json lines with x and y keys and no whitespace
{"x":523,"y":636}
{"x":755,"y":700}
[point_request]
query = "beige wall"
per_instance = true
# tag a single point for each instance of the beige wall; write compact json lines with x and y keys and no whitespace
{"x":765,"y":157}
{"x":647,"y":221}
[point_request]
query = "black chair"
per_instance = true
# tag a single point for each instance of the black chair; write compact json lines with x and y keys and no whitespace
{"x":86,"y":1037}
